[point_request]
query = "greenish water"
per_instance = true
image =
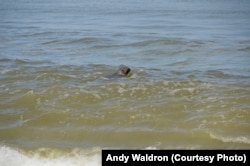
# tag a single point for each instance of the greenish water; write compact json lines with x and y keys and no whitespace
{"x":188,"y":89}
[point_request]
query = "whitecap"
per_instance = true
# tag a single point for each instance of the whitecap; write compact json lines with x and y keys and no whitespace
{"x":13,"y":157}
{"x":239,"y":139}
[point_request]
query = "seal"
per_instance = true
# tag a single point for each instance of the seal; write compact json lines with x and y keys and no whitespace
{"x":121,"y":72}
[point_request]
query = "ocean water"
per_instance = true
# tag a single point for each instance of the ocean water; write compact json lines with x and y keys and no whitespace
{"x":189,"y":87}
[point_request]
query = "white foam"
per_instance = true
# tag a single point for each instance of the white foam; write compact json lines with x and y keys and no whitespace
{"x":4,"y":71}
{"x":239,"y":139}
{"x":12,"y":157}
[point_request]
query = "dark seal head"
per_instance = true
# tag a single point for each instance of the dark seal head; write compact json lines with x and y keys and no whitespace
{"x":121,"y":72}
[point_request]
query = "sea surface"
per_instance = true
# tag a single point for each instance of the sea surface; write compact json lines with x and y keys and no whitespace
{"x":189,"y":87}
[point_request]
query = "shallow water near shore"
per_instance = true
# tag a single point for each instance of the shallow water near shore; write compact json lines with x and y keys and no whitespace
{"x":189,"y":87}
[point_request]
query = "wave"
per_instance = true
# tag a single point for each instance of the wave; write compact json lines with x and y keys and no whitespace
{"x":45,"y":157}
{"x":239,"y":139}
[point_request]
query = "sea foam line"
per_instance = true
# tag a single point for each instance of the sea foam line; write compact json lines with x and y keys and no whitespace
{"x":239,"y":139}
{"x":12,"y":157}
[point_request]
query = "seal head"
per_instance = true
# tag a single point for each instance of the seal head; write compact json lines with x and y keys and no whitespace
{"x":121,"y":72}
